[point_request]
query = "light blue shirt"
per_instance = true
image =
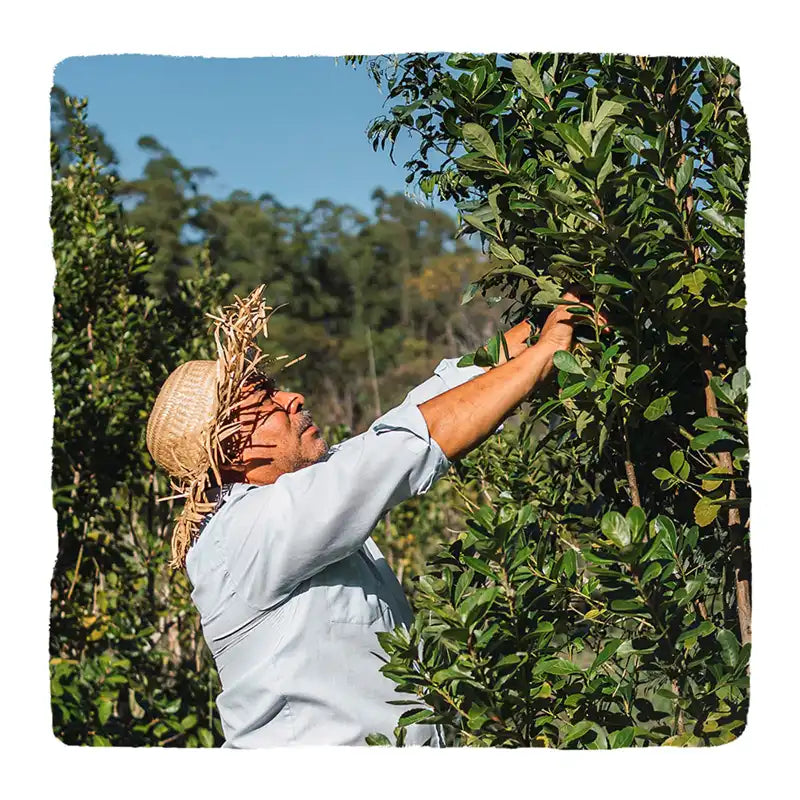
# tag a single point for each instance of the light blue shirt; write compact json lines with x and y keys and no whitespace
{"x":292,"y":590}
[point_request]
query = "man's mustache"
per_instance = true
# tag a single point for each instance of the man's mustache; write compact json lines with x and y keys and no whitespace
{"x":305,"y":422}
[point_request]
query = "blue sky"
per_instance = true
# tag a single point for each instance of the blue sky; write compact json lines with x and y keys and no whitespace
{"x":293,"y":127}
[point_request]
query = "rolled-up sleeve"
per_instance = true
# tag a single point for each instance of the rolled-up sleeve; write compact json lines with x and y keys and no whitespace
{"x":446,"y":376}
{"x":287,"y":531}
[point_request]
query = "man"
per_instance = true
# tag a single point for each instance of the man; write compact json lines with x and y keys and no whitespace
{"x":290,"y":587}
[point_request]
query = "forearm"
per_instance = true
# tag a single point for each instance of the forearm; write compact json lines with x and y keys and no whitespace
{"x":461,"y":418}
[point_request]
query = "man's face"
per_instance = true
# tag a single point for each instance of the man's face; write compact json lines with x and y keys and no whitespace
{"x":277,"y":436}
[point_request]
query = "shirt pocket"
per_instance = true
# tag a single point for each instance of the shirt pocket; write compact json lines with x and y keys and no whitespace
{"x":353,"y":592}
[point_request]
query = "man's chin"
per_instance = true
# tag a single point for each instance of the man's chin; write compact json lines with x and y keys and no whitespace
{"x":316,"y":449}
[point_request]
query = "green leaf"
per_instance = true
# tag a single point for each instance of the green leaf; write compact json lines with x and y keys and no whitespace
{"x":584,"y":418}
{"x":621,"y":738}
{"x":615,"y":527}
{"x":676,"y":460}
{"x":729,"y":645}
{"x":478,"y":565}
{"x":520,"y":269}
{"x":569,"y":563}
{"x":662,"y":474}
{"x":636,"y":522}
{"x":608,"y":650}
{"x":712,"y":479}
{"x":657,"y":408}
{"x":377,"y":740}
{"x":189,"y":721}
{"x":206,"y":737}
{"x":470,"y":292}
{"x":650,"y":572}
{"x":137,"y":712}
{"x":708,"y":423}
{"x":172,"y":706}
{"x":448,"y":674}
{"x":705,"y":511}
{"x":626,"y":606}
{"x":566,"y":362}
{"x":104,"y":708}
{"x":741,"y":454}
{"x":478,"y":138}
{"x":481,"y":358}
{"x":498,"y":251}
{"x":478,"y":224}
{"x":556,"y":666}
{"x":608,"y":354}
{"x":704,"y":628}
{"x":571,"y":135}
{"x":605,"y":170}
{"x":703,"y":440}
{"x":684,"y":174}
{"x":601,"y":146}
{"x":573,"y":389}
{"x":577,"y":730}
{"x":414,"y":715}
{"x":694,"y":282}
{"x":705,"y":115}
{"x":527,"y":76}
{"x":637,"y":373}
{"x":608,"y":109}
{"x":493,"y":346}
{"x":476,"y":162}
{"x":740,"y":381}
{"x":721,"y":222}
{"x":609,"y":280}
{"x":634,"y":143}
{"x":722,"y":390}
{"x":664,"y":528}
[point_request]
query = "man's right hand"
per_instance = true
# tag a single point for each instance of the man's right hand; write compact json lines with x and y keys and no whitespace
{"x":557,"y":331}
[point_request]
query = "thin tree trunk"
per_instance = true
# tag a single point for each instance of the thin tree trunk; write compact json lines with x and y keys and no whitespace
{"x":743,"y":605}
{"x":630,"y":472}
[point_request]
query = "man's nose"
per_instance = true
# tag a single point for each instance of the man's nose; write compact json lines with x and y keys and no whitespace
{"x":290,"y":402}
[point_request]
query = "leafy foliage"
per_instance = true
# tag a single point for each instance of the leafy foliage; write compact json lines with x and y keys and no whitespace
{"x":128,"y":665}
{"x":600,"y":597}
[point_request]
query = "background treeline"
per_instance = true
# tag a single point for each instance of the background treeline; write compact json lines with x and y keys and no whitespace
{"x":371,"y":298}
{"x":367,"y":293}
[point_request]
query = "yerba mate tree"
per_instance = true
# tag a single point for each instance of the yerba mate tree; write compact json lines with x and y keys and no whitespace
{"x":128,"y":665}
{"x":600,"y":596}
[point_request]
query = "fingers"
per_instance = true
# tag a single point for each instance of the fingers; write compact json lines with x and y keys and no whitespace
{"x":600,"y":319}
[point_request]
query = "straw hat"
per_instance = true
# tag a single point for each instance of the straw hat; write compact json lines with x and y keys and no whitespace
{"x":185,"y":407}
{"x":193,"y":415}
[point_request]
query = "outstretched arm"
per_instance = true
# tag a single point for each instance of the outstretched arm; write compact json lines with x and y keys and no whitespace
{"x":460,"y":419}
